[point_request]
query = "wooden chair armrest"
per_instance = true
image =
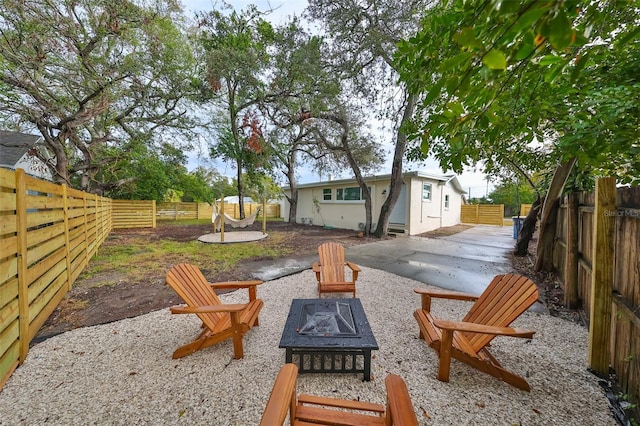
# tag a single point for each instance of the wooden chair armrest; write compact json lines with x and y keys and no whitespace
{"x":443,"y":294}
{"x":470,"y":327}
{"x":207,"y":309}
{"x":235,"y":284}
{"x":399,"y":405}
{"x":282,"y":397}
{"x":340,"y":403}
{"x":353,"y":266}
{"x":315,"y":266}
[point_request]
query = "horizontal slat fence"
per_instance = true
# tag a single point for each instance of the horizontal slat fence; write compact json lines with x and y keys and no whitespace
{"x":625,"y":319}
{"x":485,"y":214}
{"x":134,"y":214}
{"x":525,"y":209}
{"x":233,"y":210}
{"x":48,"y":233}
{"x":178,"y":211}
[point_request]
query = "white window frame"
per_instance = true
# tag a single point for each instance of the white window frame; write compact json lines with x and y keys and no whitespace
{"x":429,"y":191}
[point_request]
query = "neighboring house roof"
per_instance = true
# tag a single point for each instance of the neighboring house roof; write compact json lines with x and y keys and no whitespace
{"x":233,"y":199}
{"x":14,"y":145}
{"x":440,"y":178}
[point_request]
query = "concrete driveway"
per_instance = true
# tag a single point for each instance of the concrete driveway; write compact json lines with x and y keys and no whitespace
{"x":466,"y":261}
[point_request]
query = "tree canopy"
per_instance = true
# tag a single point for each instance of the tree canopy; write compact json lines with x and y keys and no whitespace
{"x":528,"y":83}
{"x":96,"y":79}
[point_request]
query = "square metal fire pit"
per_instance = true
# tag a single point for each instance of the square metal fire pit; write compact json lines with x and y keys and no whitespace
{"x":328,"y":336}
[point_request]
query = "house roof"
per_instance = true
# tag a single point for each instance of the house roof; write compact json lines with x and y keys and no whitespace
{"x":14,"y":145}
{"x":451,"y":178}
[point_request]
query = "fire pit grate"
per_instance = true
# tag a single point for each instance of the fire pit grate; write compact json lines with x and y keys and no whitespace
{"x":329,"y":319}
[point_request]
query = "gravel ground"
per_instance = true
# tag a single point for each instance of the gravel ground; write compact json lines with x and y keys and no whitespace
{"x":122,"y":373}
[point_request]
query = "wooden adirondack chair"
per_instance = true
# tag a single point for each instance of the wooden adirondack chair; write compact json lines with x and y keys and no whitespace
{"x":313,"y":410}
{"x":330,"y":271}
{"x":504,"y":300}
{"x":219,"y":321}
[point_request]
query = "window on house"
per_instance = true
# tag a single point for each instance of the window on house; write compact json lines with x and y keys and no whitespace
{"x":446,"y":202}
{"x":352,"y":193}
{"x":426,"y":192}
{"x":326,"y":194}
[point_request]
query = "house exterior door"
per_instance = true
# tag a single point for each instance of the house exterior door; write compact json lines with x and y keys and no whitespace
{"x":399,"y":213}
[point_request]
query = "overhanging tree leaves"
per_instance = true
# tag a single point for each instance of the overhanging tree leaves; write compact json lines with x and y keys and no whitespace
{"x":549,"y":83}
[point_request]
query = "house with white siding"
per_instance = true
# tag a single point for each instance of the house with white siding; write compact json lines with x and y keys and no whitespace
{"x":16,"y":152}
{"x":427,"y":201}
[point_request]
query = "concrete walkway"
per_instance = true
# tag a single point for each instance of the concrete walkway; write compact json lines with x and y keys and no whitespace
{"x":466,"y":261}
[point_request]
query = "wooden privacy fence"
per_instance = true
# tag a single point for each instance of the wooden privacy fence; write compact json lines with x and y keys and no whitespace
{"x":145,"y":213}
{"x":486,"y":214}
{"x":525,"y":209}
{"x":176,"y":211}
{"x":597,"y":253}
{"x":134,"y":214}
{"x":48,"y":233}
{"x":233,"y":210}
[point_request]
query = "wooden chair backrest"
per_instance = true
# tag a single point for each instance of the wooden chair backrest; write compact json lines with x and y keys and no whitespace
{"x":283,"y":400}
{"x":504,"y":300}
{"x":187,"y":280}
{"x":399,"y":407}
{"x":331,"y":262}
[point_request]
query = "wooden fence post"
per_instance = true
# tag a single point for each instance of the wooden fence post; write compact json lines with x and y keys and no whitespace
{"x":571,"y":257}
{"x":86,"y":230}
{"x":23,"y":285}
{"x":602,"y":275}
{"x":264,"y":216}
{"x":153,"y":213}
{"x":67,"y":255}
{"x":222,"y":219}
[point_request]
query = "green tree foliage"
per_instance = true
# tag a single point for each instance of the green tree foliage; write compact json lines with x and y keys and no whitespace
{"x":235,"y":49}
{"x":529,"y":83}
{"x":149,"y":174}
{"x":512,"y":195}
{"x":98,"y":79}
{"x":261,"y":186}
{"x":363,"y":37}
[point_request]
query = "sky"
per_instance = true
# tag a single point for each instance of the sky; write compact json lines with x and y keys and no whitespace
{"x":474,"y":183}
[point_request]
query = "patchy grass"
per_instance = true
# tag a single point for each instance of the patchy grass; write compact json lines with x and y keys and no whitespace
{"x":135,"y":256}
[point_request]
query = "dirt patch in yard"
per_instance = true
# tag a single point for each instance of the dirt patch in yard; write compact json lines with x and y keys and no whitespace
{"x":112,"y":295}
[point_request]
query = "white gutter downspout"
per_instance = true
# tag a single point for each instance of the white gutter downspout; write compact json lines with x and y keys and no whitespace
{"x":442,"y":197}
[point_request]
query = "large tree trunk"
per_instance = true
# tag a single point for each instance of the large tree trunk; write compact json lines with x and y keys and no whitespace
{"x":544,"y":252}
{"x":240,"y":190}
{"x":528,"y":228}
{"x":396,"y":171}
{"x":293,"y":198}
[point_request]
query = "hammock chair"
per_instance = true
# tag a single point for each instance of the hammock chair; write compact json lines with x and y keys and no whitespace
{"x":235,"y":223}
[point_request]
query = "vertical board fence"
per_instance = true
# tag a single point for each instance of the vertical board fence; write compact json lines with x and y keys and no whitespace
{"x":48,"y":233}
{"x":485,"y":214}
{"x":576,"y":252}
